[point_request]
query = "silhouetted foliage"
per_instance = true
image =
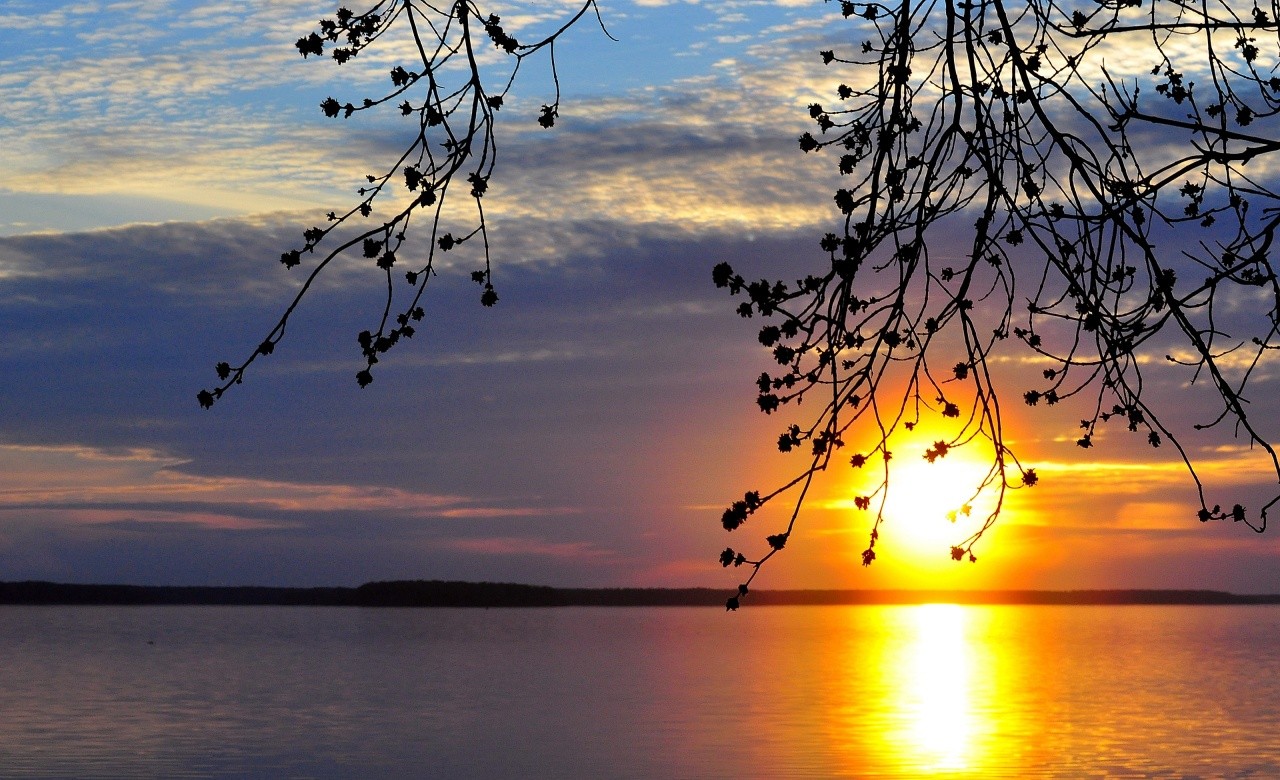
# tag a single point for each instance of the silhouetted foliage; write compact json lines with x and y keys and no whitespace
{"x":1105,"y":166}
{"x":448,"y":95}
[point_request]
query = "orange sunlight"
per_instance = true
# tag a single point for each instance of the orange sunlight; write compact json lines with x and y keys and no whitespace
{"x":928,"y":506}
{"x":932,"y":505}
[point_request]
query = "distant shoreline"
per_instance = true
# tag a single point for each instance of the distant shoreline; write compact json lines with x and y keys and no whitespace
{"x":439,"y":593}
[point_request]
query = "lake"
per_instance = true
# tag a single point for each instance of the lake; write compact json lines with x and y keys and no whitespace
{"x":864,"y":691}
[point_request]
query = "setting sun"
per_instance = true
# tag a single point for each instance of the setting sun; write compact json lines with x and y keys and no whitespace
{"x":929,"y":506}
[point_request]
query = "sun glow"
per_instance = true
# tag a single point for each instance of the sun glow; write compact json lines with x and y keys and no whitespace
{"x":932,"y":504}
{"x":928,"y":506}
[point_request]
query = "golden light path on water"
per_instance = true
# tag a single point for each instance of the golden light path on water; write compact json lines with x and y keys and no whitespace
{"x":1001,"y":692}
{"x":936,"y":704}
{"x":923,"y":696}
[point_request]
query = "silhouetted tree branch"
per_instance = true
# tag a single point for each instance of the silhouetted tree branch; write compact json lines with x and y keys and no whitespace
{"x":1107,"y":170}
{"x":449,"y":96}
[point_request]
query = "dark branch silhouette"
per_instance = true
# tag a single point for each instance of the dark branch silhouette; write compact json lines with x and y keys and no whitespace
{"x":450,"y":97}
{"x":1108,"y":211}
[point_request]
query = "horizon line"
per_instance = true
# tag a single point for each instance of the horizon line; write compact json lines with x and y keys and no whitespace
{"x":459,"y":593}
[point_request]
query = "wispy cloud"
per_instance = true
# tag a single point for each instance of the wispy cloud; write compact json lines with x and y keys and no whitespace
{"x":85,"y":483}
{"x":212,"y":106}
{"x":511,"y":545}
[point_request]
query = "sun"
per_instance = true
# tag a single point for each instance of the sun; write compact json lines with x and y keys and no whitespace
{"x":931,"y":505}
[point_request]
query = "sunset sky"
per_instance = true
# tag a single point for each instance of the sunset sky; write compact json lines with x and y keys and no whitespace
{"x":156,"y":157}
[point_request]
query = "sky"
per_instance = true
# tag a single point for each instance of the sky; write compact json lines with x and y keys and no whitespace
{"x":157,"y":156}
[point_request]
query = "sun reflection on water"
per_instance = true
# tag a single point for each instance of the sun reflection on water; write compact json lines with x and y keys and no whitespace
{"x":934,"y":691}
{"x":937,"y":709}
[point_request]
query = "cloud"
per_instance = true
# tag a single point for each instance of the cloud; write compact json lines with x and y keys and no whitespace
{"x":154,"y":522}
{"x":563,"y":416}
{"x":86,"y":482}
{"x":511,"y":545}
{"x":552,"y":408}
{"x":212,"y":108}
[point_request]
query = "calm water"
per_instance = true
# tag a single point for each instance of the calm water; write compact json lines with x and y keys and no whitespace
{"x":885,"y":692}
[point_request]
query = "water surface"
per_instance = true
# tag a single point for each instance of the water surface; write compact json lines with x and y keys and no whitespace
{"x":862,"y":691}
